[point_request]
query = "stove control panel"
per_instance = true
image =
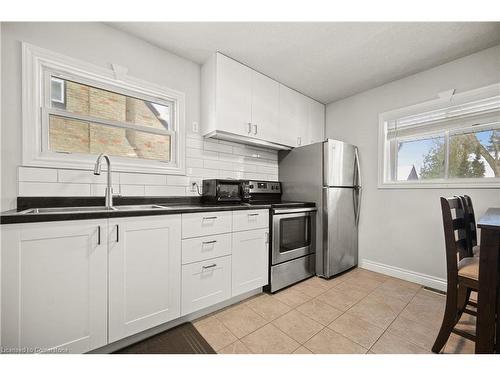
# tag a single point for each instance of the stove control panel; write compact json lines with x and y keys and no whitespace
{"x":269,"y":187}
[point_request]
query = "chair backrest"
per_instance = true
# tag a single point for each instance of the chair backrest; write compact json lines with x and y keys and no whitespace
{"x":455,"y":236}
{"x":470,"y":219}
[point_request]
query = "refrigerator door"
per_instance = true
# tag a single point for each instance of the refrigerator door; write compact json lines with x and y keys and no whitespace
{"x":340,"y":234}
{"x":339,"y":164}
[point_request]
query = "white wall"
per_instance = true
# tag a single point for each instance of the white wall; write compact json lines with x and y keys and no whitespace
{"x":402,"y":228}
{"x":101,"y":45}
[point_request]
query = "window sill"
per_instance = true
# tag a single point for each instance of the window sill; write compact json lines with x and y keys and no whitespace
{"x":492,"y":184}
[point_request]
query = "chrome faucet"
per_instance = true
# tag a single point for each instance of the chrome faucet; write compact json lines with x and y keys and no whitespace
{"x":97,"y":172}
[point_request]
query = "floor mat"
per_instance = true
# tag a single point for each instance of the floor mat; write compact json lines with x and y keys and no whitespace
{"x":183,"y":339}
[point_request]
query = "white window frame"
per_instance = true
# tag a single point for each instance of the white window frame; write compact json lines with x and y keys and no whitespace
{"x":62,"y":83}
{"x":40,"y":64}
{"x":386,"y":172}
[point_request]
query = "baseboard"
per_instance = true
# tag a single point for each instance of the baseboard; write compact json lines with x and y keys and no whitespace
{"x":401,"y":273}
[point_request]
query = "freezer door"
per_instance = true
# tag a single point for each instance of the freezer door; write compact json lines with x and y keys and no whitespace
{"x":340,"y":230}
{"x":340,"y":165}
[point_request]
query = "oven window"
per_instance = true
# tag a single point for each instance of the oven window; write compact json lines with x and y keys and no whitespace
{"x":294,"y":233}
{"x":229,"y":191}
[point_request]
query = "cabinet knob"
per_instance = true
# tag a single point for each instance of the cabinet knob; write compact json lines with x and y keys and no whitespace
{"x":255,"y":127}
{"x":249,"y":127}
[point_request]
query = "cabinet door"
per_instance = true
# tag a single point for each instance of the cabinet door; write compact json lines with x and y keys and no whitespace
{"x":233,"y":96}
{"x":250,"y":260}
{"x":316,"y":128}
{"x":293,"y":116}
{"x":144,"y":273}
{"x":265,"y":108}
{"x":54,"y":287}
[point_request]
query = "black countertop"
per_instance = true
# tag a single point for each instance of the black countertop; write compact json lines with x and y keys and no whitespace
{"x":174,"y":205}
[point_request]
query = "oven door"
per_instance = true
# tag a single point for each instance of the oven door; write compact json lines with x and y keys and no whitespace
{"x":294,"y":234}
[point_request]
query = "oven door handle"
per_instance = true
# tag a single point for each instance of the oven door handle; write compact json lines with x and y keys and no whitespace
{"x":306,"y":210}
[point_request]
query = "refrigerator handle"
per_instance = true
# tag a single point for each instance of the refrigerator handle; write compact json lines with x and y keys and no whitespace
{"x":358,"y":203}
{"x":358,"y":170}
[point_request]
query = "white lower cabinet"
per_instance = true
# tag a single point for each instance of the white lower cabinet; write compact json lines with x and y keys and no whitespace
{"x":144,"y":273}
{"x":250,"y":260}
{"x":54,"y":286}
{"x":205,"y":283}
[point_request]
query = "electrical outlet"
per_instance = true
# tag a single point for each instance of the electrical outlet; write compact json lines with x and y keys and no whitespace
{"x":193,"y":187}
{"x":196,"y":127}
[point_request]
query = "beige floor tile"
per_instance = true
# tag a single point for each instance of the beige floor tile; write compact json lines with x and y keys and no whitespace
{"x":458,"y":345}
{"x":268,"y":307}
{"x":415,"y":332}
{"x":372,"y":275}
{"x":302,"y":350}
{"x":342,"y":300}
{"x":312,"y":287}
{"x":236,"y":347}
{"x":269,"y":340}
{"x":391,"y":344}
{"x":216,"y":334}
{"x":319,"y":311}
{"x":241,"y":320}
{"x":330,"y":342}
{"x":467,"y":323}
{"x":298,"y":326}
{"x":378,"y":310}
{"x":357,"y":330}
{"x":425,"y":308}
{"x":291,"y":297}
{"x":400,"y":289}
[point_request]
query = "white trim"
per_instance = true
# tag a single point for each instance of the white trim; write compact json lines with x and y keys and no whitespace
{"x":401,"y":273}
{"x":35,"y":61}
{"x":384,"y":169}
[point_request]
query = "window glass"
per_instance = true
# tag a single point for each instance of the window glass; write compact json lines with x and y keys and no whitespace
{"x":70,"y":135}
{"x":421,"y":159}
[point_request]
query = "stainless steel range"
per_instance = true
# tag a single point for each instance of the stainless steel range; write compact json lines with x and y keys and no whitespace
{"x":293,"y":234}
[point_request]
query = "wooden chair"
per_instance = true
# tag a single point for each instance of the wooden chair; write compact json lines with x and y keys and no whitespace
{"x":462,"y":271}
{"x":470,"y":222}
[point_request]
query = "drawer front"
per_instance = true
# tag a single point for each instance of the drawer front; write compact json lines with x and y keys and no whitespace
{"x":251,"y":219}
{"x":206,"y":223}
{"x":205,"y":283}
{"x":203,"y":248}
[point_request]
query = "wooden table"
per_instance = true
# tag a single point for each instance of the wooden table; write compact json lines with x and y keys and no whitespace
{"x":488,"y":297}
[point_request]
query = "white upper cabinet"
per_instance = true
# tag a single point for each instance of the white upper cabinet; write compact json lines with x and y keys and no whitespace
{"x":265,"y":108}
{"x":54,"y":295}
{"x":144,"y":273}
{"x":243,"y":105}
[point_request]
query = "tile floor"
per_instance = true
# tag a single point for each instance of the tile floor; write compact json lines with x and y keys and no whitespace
{"x":358,"y":312}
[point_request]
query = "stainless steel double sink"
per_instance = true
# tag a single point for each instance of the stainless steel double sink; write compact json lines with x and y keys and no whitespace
{"x":76,"y":210}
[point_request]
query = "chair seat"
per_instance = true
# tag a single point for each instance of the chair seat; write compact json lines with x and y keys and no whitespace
{"x":469,"y":268}
{"x":475,"y":251}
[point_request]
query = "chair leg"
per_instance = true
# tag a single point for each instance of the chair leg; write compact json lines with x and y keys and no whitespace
{"x":449,"y":320}
{"x":462,"y":300}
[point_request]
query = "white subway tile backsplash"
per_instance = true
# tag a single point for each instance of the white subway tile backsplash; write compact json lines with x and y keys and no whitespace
{"x":83,"y":176}
{"x":178,"y":180}
{"x":36,"y":174}
{"x":205,"y":159}
{"x":156,"y":190}
{"x":132,"y":190}
{"x":143,"y":179}
{"x":34,"y":189}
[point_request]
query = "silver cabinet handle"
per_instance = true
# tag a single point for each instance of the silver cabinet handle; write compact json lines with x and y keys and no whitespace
{"x":209,"y":217}
{"x":98,"y":234}
{"x":249,"y":127}
{"x":253,"y":214}
{"x":210,"y":266}
{"x":117,"y":233}
{"x":255,"y":129}
{"x":267,"y":237}
{"x":299,"y":141}
{"x":208,"y":242}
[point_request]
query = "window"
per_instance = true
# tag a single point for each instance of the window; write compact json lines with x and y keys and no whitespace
{"x":443,"y":142}
{"x":85,"y":110}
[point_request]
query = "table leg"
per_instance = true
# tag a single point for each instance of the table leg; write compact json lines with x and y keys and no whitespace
{"x":487,"y":294}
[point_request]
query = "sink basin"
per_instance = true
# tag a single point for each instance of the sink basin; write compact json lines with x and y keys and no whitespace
{"x":140,"y":207}
{"x":62,"y":210}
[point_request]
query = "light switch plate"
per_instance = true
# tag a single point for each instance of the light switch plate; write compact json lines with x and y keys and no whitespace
{"x":196,"y":127}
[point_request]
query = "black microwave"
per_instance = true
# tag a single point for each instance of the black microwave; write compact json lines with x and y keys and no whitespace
{"x":222,"y":191}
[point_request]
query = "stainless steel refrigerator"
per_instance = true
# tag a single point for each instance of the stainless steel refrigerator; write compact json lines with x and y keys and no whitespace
{"x":328,"y":174}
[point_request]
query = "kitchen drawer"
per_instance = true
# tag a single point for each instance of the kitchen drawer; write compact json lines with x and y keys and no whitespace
{"x":206,"y":223}
{"x":205,"y":283}
{"x":203,"y":248}
{"x":250,"y":219}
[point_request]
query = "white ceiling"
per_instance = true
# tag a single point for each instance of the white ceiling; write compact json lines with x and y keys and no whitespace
{"x":327,"y":61}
